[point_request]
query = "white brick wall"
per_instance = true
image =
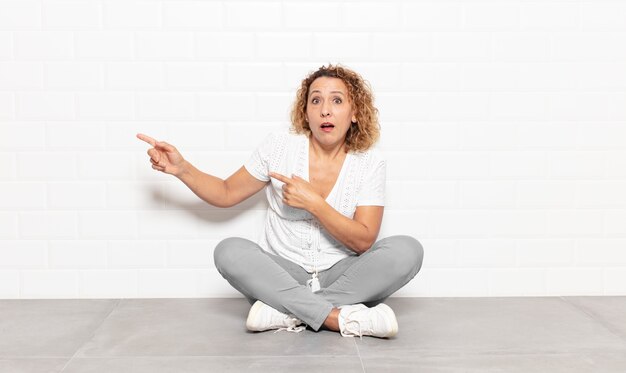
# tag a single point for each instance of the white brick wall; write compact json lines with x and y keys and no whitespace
{"x":503,"y":123}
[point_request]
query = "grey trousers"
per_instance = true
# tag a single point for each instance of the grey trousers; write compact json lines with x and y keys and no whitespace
{"x":368,"y":278}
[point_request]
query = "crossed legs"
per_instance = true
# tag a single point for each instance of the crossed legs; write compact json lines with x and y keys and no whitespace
{"x":368,"y":278}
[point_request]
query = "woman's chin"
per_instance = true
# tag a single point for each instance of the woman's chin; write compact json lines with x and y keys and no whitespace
{"x":330,"y":134}
{"x":328,"y":138}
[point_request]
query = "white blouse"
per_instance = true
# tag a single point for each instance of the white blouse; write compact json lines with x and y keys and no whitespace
{"x":294,"y":233}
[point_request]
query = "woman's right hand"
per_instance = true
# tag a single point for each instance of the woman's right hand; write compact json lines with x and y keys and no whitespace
{"x":163,"y":156}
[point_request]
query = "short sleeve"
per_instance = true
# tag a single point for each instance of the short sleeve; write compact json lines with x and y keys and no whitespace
{"x":258,"y":163}
{"x":372,"y":191}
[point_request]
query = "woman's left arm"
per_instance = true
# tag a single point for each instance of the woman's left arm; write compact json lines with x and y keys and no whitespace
{"x":358,"y":234}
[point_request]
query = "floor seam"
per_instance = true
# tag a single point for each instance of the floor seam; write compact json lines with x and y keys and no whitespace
{"x":180,"y":356}
{"x":91,"y":335}
{"x":595,"y":318}
{"x":461,"y":353}
{"x":358,"y":353}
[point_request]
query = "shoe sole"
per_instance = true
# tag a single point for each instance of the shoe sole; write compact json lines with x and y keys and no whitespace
{"x":252,"y":315}
{"x":390,"y":316}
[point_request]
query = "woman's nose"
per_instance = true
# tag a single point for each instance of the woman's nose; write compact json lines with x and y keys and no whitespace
{"x":325,"y":111}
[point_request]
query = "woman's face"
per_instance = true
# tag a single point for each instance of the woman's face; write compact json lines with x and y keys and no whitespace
{"x":329,"y":110}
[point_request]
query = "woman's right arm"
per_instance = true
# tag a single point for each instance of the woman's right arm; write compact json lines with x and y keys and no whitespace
{"x":213,"y":190}
{"x":221,"y":193}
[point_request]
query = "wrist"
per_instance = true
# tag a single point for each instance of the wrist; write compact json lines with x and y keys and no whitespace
{"x":184,"y":170}
{"x":317,"y":206}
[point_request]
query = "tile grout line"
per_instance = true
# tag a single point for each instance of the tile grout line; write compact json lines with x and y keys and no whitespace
{"x":358,"y":353}
{"x":91,"y":336}
{"x":595,"y":318}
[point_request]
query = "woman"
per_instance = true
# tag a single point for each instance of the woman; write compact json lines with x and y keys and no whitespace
{"x":318,"y":262}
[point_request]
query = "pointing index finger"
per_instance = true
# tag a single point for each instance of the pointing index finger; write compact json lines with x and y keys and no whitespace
{"x":147,"y":139}
{"x":280,"y":177}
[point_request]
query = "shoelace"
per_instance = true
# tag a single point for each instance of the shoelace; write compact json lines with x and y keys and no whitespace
{"x":360,"y":333}
{"x":293,"y":329}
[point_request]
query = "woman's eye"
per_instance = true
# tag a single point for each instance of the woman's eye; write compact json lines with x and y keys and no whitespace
{"x":338,"y":100}
{"x":315,"y":100}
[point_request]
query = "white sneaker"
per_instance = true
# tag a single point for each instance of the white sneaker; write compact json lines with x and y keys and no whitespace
{"x":357,"y":319}
{"x":263,"y":317}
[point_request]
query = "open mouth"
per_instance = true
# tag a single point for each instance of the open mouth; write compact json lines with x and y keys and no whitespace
{"x":327,"y":126}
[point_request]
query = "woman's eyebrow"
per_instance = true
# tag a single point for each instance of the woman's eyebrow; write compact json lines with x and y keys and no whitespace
{"x":341,"y":93}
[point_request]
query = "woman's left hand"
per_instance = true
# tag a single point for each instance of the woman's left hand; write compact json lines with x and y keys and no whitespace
{"x":298,"y":192}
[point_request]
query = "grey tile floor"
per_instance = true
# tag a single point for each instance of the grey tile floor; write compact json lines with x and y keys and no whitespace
{"x":529,"y":334}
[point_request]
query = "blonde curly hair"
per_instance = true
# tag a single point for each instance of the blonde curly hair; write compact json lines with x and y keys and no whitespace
{"x":361,"y":135}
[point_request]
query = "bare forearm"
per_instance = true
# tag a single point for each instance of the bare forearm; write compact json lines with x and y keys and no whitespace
{"x":209,"y":188}
{"x":351,"y":233}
